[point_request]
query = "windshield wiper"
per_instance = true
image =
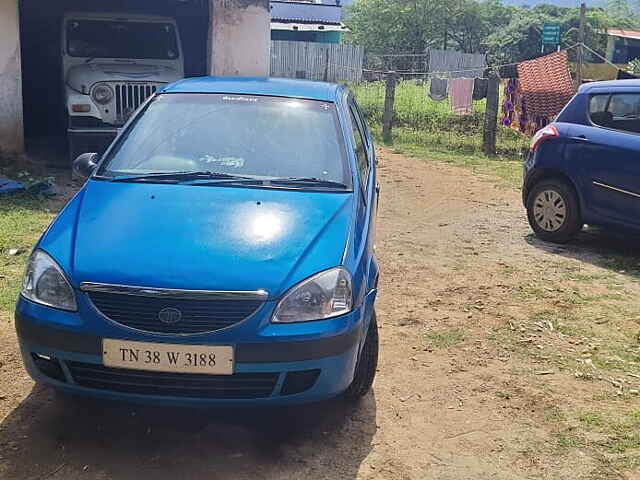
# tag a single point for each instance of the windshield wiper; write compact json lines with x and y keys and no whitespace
{"x":177,"y":177}
{"x":309,"y":181}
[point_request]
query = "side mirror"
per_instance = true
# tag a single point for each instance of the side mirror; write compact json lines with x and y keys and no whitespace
{"x":85,"y":164}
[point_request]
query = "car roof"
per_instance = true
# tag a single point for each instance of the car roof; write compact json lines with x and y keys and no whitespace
{"x":276,"y":87}
{"x":609,"y":86}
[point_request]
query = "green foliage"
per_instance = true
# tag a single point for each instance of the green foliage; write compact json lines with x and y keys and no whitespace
{"x":521,"y":39}
{"x":506,"y":33}
{"x":634,"y":67}
{"x":404,"y":26}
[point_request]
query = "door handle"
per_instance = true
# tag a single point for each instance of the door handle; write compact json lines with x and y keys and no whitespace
{"x":579,"y":138}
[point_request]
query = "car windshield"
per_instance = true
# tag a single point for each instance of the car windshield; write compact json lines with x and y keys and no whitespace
{"x":241,"y":136}
{"x":119,"y":39}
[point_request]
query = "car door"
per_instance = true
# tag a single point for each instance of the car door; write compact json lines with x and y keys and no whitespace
{"x":606,"y":157}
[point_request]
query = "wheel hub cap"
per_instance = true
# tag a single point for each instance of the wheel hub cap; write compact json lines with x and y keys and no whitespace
{"x":550,"y":210}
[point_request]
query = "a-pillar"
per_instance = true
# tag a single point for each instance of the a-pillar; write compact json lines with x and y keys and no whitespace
{"x":240,"y":38}
{"x":11,"y":121}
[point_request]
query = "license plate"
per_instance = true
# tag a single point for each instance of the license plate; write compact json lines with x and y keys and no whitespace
{"x":163,"y":357}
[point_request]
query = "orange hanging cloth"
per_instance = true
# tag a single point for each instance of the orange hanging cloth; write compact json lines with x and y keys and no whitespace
{"x":546,"y":84}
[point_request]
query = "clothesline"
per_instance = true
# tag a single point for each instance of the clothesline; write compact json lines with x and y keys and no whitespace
{"x":601,"y":57}
{"x":491,"y":67}
{"x":445,"y":72}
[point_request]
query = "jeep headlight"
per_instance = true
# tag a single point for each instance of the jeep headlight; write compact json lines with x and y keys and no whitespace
{"x":45,"y":283}
{"x":326,"y":295}
{"x":102,"y":94}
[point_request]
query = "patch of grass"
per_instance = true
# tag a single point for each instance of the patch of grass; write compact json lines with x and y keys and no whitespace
{"x":420,"y":121}
{"x":566,"y":440}
{"x":563,"y":321}
{"x":591,"y":419}
{"x":622,"y":433}
{"x":528,"y":292}
{"x":23,"y":218}
{"x":554,"y":415}
{"x":587,"y":278}
{"x":616,"y":358}
{"x":629,"y":462}
{"x":445,"y":339}
{"x":505,"y":168}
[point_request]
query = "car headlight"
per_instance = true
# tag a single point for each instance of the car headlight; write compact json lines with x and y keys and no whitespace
{"x":102,"y":94}
{"x":326,"y":295}
{"x":45,"y":283}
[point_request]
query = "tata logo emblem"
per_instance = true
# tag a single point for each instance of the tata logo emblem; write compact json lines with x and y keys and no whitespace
{"x":170,"y":316}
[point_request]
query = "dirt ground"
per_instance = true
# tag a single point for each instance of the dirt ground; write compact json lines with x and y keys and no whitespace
{"x":501,"y":358}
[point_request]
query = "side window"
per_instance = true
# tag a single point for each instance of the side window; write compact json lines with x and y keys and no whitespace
{"x":365,"y":127}
{"x":619,"y":111}
{"x":361,"y":149}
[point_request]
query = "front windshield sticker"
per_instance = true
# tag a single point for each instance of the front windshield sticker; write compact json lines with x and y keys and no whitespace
{"x":232,"y":162}
{"x":240,"y":99}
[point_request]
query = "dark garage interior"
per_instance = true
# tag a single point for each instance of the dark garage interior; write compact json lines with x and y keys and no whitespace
{"x":45,"y":120}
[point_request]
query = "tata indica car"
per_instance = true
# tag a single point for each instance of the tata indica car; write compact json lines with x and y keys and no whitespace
{"x":584,"y":168}
{"x":221,"y":251}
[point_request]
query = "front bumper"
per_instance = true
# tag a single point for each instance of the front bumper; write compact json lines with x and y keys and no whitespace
{"x":90,"y":140}
{"x":292,"y":369}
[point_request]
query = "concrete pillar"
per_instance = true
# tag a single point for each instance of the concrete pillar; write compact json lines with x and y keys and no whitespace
{"x":611,"y":47}
{"x":11,"y":123}
{"x":240,"y":38}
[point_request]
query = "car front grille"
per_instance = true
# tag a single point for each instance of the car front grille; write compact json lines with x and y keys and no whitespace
{"x":129,"y":96}
{"x":239,"y":386}
{"x":197,"y":316}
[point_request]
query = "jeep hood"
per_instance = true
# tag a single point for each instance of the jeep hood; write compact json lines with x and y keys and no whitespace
{"x":82,"y":77}
{"x":202,"y":238}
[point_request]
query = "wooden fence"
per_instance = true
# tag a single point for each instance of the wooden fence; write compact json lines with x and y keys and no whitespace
{"x":317,"y":61}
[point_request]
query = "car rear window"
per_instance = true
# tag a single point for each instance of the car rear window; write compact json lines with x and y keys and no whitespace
{"x":619,"y":111}
{"x":251,"y":136}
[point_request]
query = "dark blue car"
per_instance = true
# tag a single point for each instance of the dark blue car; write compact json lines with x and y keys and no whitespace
{"x":585,"y":167}
{"x":221,"y":251}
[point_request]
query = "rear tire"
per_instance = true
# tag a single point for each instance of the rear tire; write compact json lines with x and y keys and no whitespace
{"x":553,"y":211}
{"x":367,"y":364}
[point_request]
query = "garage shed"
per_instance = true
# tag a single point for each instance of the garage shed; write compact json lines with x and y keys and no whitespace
{"x":218,"y":37}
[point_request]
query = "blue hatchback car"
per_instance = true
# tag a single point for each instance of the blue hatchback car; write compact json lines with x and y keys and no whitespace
{"x":220,"y":252}
{"x":584,"y":168}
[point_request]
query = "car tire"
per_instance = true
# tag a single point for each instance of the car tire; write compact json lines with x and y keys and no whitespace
{"x":367,"y":364}
{"x":553,"y":211}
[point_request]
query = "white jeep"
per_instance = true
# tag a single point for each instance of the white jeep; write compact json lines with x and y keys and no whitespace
{"x":112,"y":64}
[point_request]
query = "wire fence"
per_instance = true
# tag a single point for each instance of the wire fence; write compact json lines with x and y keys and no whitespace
{"x":420,"y":120}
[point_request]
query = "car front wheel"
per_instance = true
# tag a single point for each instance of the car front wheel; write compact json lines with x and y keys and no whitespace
{"x":367,"y":364}
{"x":553,"y":211}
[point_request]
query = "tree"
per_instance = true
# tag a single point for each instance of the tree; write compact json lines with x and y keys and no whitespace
{"x":412,"y":26}
{"x":522,"y":38}
{"x":507,"y":34}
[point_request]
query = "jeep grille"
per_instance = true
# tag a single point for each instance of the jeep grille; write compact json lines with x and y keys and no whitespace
{"x":129,"y":96}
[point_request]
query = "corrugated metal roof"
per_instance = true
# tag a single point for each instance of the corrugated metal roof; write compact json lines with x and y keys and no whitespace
{"x":632,"y":34}
{"x":307,"y":12}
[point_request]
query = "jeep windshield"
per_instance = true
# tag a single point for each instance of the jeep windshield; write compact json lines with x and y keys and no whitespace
{"x":121,"y":39}
{"x":218,"y":139}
